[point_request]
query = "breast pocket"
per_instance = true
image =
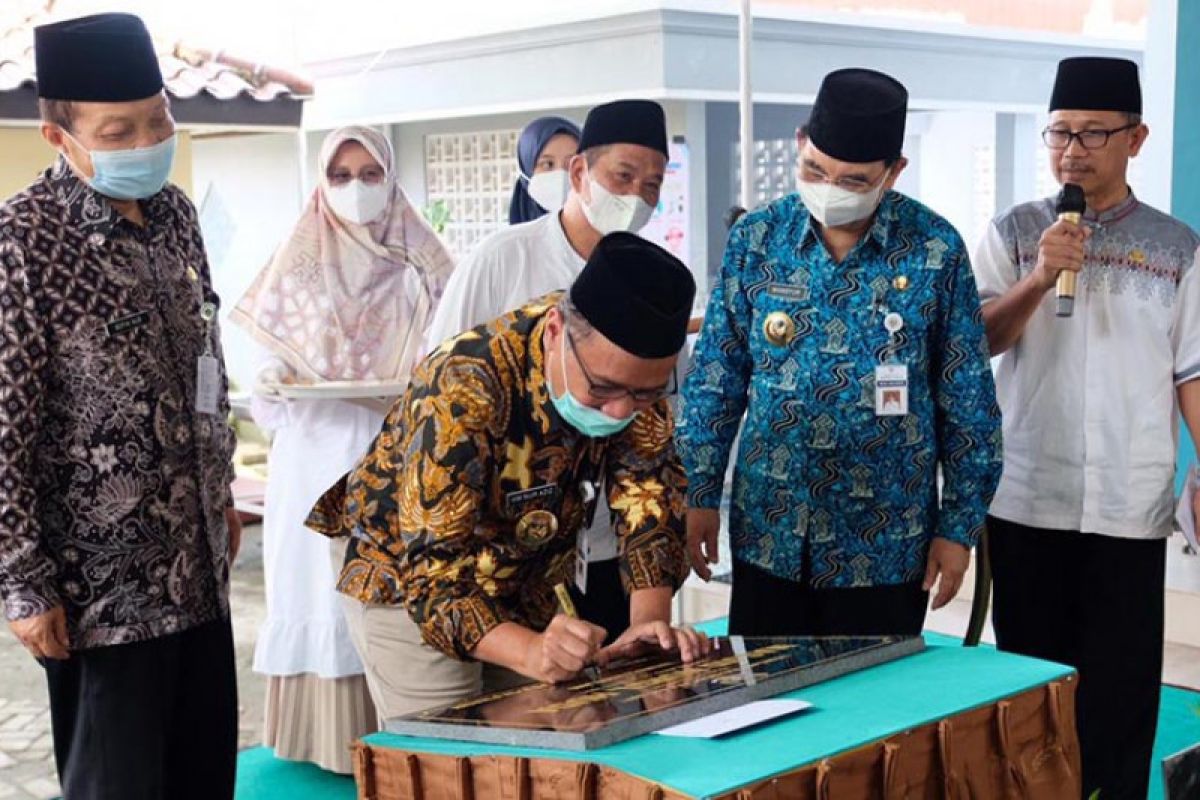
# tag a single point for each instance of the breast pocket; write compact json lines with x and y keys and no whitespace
{"x":119,"y":340}
{"x":782,"y":329}
{"x":905,"y":336}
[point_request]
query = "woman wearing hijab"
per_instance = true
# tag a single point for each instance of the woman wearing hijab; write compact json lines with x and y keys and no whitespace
{"x":545,"y":147}
{"x":346,"y":298}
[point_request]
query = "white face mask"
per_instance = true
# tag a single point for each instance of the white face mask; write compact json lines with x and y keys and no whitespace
{"x":833,"y":206}
{"x":357,"y":202}
{"x":609,"y":213}
{"x":549,"y":189}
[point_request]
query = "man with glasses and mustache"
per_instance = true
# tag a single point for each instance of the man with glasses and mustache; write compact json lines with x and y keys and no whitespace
{"x":468,"y":511}
{"x":1077,"y":530}
{"x":846,"y":327}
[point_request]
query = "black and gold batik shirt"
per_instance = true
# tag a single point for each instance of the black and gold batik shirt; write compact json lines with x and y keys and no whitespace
{"x":112,"y":487}
{"x":467,"y":507}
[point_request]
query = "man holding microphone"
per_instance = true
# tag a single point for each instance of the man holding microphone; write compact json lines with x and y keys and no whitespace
{"x":1089,"y":391}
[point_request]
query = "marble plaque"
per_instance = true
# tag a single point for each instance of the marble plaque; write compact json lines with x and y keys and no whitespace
{"x":641,"y":695}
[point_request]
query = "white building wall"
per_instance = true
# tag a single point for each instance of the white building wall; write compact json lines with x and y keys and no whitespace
{"x":256,"y":179}
{"x":1156,"y":162}
{"x":954,"y":147}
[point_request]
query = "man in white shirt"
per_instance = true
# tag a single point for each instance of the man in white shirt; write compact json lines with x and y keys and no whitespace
{"x":614,"y":180}
{"x":1079,"y":523}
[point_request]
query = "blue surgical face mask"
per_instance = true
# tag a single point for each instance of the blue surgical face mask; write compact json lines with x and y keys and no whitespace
{"x":131,"y":174}
{"x":589,"y":421}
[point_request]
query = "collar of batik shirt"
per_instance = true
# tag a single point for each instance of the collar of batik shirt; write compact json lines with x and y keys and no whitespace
{"x":92,"y":213}
{"x":879,"y":234}
{"x":1115,"y":214}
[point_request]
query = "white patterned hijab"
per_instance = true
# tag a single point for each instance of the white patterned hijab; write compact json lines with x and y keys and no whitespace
{"x":340,"y":301}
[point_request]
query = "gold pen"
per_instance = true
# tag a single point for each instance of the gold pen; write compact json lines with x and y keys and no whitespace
{"x":564,"y":601}
{"x":568,"y":608}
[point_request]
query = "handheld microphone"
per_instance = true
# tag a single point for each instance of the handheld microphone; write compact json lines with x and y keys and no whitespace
{"x":1069,"y":207}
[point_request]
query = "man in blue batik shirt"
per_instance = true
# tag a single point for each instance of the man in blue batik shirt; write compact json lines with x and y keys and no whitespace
{"x":847,"y":328}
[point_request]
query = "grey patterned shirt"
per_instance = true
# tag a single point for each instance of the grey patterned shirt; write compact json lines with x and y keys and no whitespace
{"x":1089,"y":401}
{"x":112,"y":487}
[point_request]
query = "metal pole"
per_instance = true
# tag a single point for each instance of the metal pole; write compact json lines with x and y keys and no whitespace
{"x":746,"y":104}
{"x":983,"y":593}
{"x":302,"y":165}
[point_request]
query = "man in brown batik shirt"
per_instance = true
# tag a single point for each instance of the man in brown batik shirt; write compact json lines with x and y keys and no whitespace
{"x":468,"y":509}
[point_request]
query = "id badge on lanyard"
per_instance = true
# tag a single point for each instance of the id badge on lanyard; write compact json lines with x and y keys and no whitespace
{"x":583,"y":545}
{"x":208,"y":373}
{"x":891,"y":378}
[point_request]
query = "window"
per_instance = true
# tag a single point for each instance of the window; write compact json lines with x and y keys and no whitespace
{"x":474,"y":174}
{"x":774,"y":170}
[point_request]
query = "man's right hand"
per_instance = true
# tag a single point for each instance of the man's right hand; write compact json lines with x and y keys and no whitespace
{"x":703,"y":526}
{"x":44,"y":636}
{"x":560,"y":652}
{"x":1061,"y":248}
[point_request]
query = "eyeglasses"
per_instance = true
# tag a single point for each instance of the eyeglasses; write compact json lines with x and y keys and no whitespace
{"x":1091,"y":139}
{"x":372,"y":176}
{"x":850,"y":184}
{"x":607,"y":391}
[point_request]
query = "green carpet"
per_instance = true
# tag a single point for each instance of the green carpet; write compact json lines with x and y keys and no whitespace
{"x":1178,"y":729}
{"x":261,"y":776}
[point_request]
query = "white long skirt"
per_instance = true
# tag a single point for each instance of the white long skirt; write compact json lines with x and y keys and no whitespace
{"x":317,"y":700}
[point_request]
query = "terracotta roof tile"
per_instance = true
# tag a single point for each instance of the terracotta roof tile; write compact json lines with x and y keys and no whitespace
{"x":187,"y":71}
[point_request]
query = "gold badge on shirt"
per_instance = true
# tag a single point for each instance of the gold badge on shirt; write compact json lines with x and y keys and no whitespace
{"x":779,"y":328}
{"x":535,"y":528}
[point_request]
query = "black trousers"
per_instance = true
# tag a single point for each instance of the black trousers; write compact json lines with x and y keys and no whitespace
{"x":155,"y":720}
{"x":1094,"y":603}
{"x":605,"y":603}
{"x":767,"y":605}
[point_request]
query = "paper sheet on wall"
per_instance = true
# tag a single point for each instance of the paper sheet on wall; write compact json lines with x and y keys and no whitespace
{"x":1184,"y":516}
{"x":670,"y":226}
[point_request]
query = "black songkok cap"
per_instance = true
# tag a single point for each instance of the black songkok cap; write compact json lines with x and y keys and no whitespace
{"x":1089,"y":83}
{"x":636,"y":294}
{"x":859,"y":116}
{"x":626,"y":122}
{"x":105,"y":58}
